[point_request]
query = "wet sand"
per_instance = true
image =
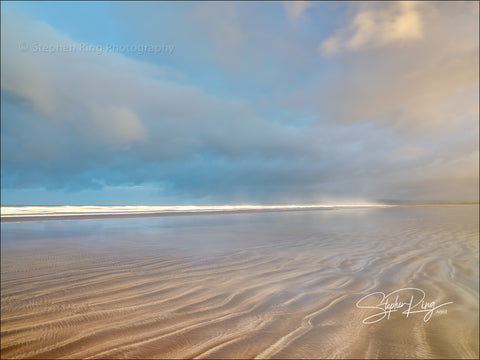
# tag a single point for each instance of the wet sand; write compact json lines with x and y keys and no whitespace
{"x":261,"y":285}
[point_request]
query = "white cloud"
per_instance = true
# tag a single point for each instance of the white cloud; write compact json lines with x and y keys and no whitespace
{"x":426,"y":90}
{"x":64,"y":84}
{"x":295,"y":9}
{"x":431,"y":86}
{"x":377,"y":25}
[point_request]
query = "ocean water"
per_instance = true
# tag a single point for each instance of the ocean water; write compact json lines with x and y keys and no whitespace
{"x":371,"y":282}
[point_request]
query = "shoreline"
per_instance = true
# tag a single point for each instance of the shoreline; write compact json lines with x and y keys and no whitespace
{"x":151,"y":214}
{"x":167,"y":213}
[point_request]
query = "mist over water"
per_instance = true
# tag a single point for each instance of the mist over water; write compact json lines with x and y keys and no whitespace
{"x":266,"y":285}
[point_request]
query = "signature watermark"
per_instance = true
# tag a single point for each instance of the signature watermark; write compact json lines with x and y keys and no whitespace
{"x":61,"y":48}
{"x":407,"y":300}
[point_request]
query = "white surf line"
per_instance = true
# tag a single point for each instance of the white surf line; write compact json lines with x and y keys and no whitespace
{"x":43,"y":211}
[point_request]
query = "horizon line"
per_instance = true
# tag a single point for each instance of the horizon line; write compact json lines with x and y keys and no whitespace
{"x":340,"y":202}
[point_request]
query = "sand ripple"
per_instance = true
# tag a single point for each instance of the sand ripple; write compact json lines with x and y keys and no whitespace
{"x":287,"y":291}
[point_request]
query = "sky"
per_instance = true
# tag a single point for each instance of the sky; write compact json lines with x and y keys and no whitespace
{"x":175,"y":103}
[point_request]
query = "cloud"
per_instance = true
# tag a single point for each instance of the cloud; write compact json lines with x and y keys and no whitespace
{"x":295,"y":9}
{"x":429,"y":87}
{"x":376,"y":25}
{"x":66,"y":85}
{"x":425,"y":90}
{"x":384,"y":122}
{"x":76,"y":119}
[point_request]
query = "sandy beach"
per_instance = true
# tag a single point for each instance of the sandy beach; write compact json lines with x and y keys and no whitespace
{"x":246,"y":285}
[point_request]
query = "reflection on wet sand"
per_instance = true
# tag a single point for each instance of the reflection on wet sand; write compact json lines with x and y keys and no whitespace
{"x":281,"y":285}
